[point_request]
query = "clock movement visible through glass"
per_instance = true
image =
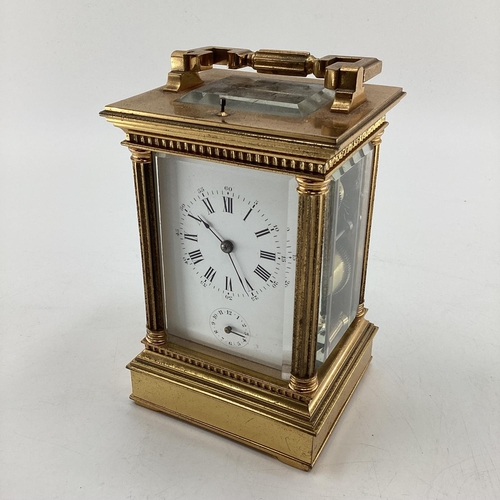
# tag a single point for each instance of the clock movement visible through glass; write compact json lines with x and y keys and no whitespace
{"x":343,"y":249}
{"x":228,"y":239}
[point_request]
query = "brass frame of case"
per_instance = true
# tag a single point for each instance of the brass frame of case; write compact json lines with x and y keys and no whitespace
{"x":291,"y":421}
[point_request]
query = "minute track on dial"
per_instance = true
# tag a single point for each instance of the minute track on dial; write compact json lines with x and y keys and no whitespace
{"x":239,"y":246}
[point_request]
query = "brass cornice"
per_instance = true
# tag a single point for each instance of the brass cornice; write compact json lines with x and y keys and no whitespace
{"x":264,"y":159}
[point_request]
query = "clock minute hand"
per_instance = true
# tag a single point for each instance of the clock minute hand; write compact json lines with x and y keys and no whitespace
{"x":210,"y":228}
{"x":236,"y":266}
{"x":227,"y":247}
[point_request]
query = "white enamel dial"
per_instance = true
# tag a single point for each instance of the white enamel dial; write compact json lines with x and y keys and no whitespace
{"x":228,"y":237}
{"x":230,"y":242}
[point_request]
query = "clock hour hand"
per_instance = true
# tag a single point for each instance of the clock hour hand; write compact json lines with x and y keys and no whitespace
{"x":229,"y":329}
{"x":226,"y":246}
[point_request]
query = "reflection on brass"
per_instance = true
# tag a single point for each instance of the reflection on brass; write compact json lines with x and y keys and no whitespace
{"x":361,"y":310}
{"x":310,"y":227}
{"x":342,"y":321}
{"x":376,"y":141}
{"x":155,"y":337}
{"x":344,"y":74}
{"x":304,"y":384}
{"x":341,"y":191}
{"x":150,"y":249}
{"x":341,"y":272}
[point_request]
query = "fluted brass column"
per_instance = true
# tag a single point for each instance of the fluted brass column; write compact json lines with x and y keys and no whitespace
{"x":311,"y":221}
{"x":376,"y":141}
{"x":150,"y":248}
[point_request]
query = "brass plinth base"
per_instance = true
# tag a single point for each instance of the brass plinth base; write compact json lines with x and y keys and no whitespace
{"x":262,"y":413}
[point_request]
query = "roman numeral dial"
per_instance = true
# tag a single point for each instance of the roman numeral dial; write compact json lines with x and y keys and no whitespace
{"x":262,"y":232}
{"x":210,"y":274}
{"x":228,"y":204}
{"x":196,"y":256}
{"x":191,"y":237}
{"x":262,"y":273}
{"x":208,"y":205}
{"x":231,"y":243}
{"x":267,"y":255}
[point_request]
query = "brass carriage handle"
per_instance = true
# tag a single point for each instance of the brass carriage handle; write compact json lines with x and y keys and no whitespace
{"x":343,"y":74}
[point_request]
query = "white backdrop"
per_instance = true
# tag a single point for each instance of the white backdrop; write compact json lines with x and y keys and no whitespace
{"x":424,"y":422}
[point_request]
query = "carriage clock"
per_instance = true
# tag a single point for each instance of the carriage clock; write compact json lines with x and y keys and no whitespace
{"x":254,"y":198}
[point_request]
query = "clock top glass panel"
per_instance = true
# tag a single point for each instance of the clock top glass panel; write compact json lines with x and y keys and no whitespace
{"x":228,"y":238}
{"x":263,"y":95}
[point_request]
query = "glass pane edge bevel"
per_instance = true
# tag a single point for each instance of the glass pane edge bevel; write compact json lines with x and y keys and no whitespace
{"x":267,"y":96}
{"x":173,"y":339}
{"x":362,"y":159}
{"x":157,"y":155}
{"x":364,"y":206}
{"x":291,"y":254}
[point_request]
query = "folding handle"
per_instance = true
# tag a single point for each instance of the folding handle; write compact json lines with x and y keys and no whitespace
{"x":343,"y":74}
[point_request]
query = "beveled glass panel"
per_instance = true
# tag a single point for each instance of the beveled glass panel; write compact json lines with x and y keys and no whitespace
{"x":277,"y":97}
{"x":228,"y":245}
{"x":343,"y":251}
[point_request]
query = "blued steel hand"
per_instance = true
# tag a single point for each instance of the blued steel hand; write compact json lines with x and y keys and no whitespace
{"x":210,"y":228}
{"x":229,"y":329}
{"x":236,"y":266}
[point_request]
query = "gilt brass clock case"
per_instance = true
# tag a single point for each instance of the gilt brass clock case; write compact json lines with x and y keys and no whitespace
{"x":287,"y":167}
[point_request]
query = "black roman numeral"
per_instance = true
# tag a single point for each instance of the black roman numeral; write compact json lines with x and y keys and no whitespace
{"x":262,"y":233}
{"x":195,"y":256}
{"x":208,"y":205}
{"x":210,"y":274}
{"x":229,"y":284}
{"x":228,"y":204}
{"x":192,"y":237}
{"x":267,"y":255}
{"x":262,"y":273}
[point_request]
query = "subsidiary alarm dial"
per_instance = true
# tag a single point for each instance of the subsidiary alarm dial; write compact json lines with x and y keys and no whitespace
{"x":229,"y":327}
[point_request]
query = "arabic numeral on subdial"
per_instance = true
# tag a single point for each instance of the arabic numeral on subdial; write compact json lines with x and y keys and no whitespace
{"x":229,"y":327}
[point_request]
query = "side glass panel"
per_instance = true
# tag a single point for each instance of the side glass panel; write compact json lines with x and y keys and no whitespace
{"x":343,"y":251}
{"x":228,"y":238}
